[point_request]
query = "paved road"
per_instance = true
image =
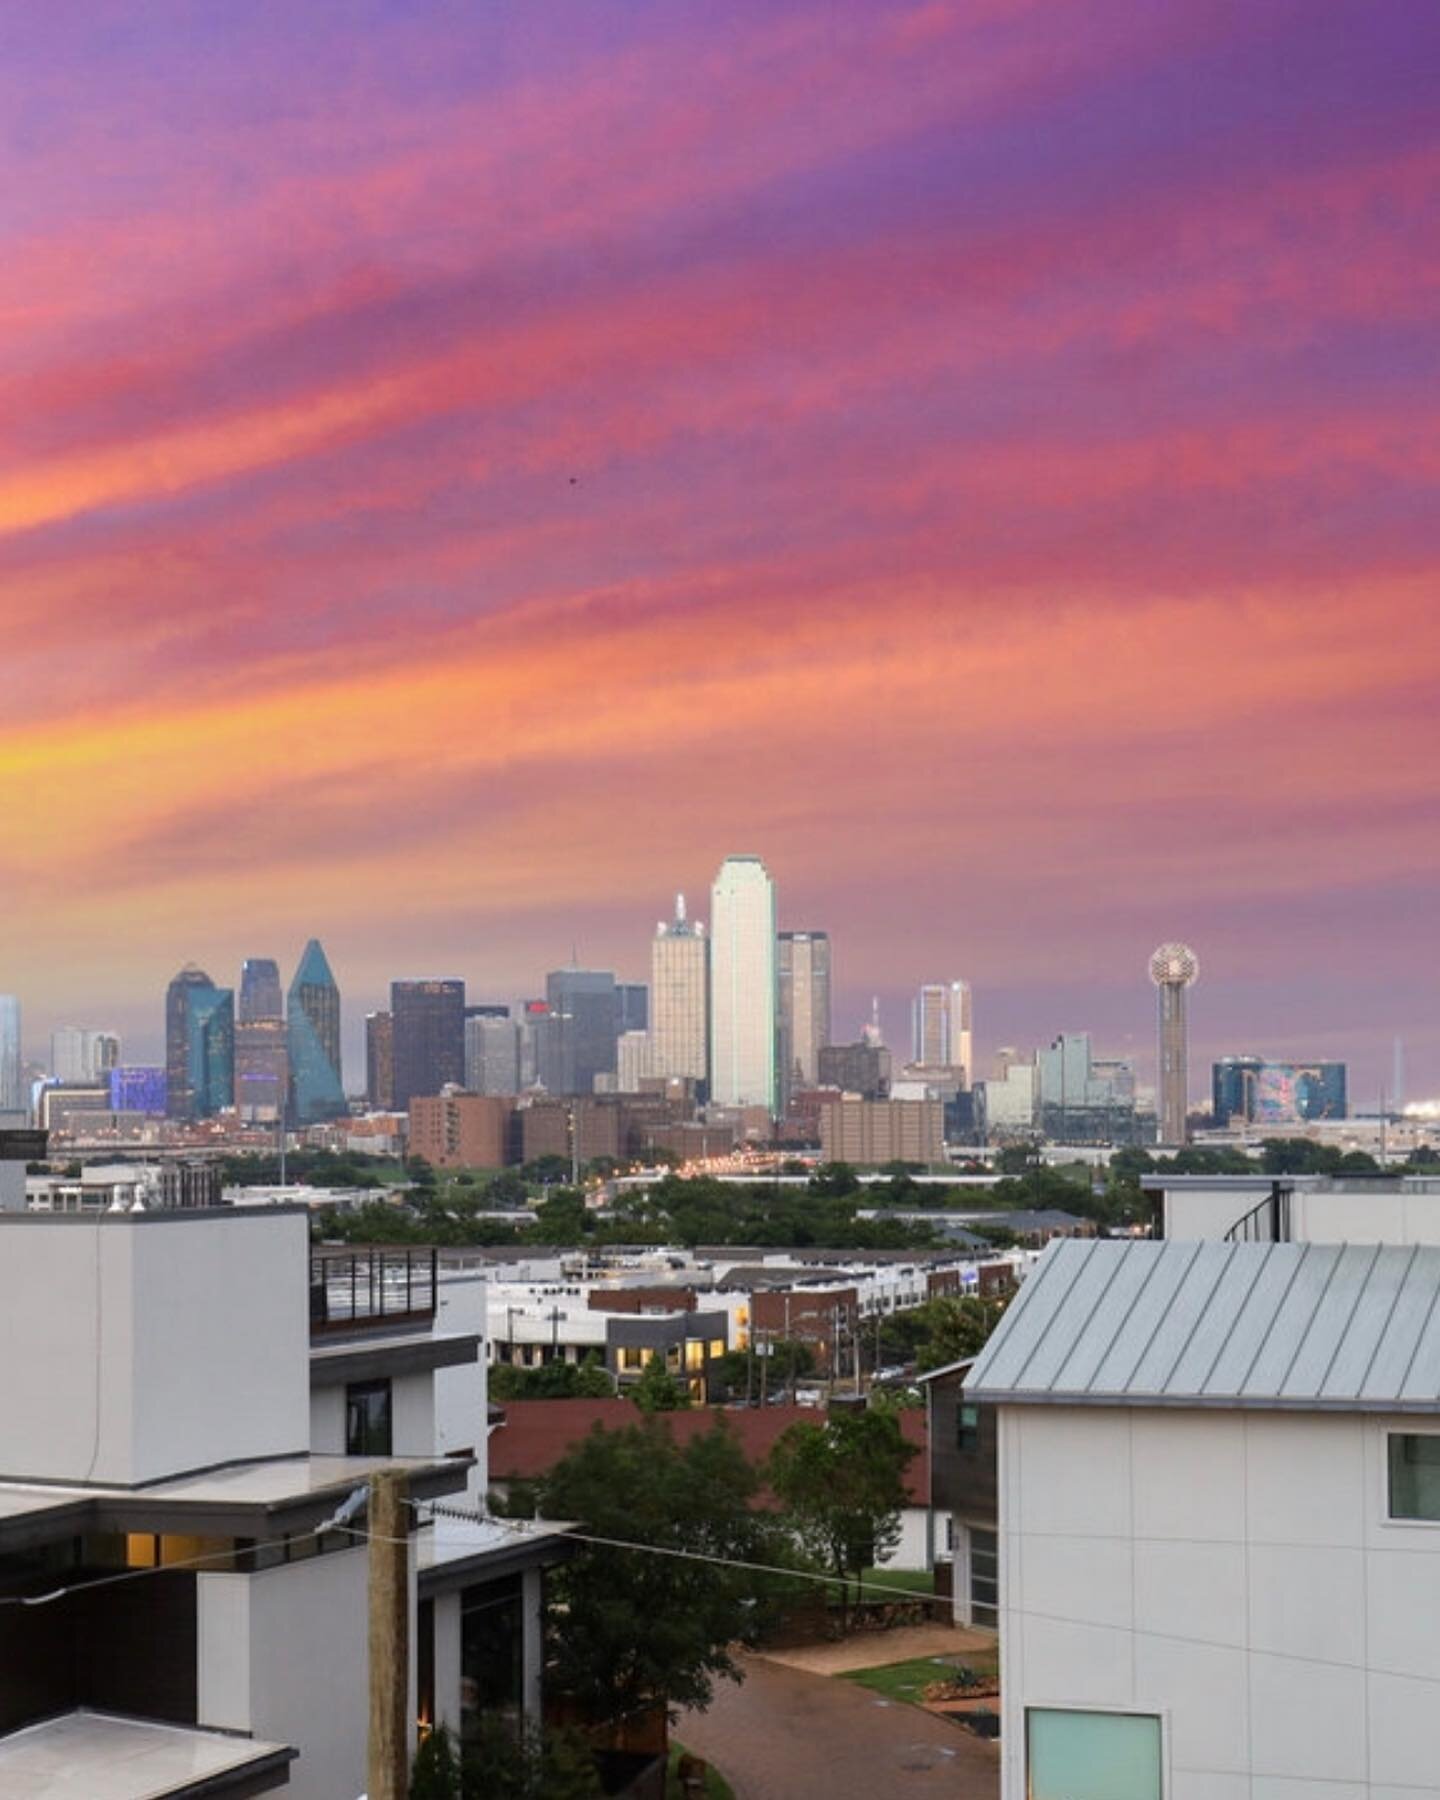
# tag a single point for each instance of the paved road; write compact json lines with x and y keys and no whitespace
{"x":786,"y":1734}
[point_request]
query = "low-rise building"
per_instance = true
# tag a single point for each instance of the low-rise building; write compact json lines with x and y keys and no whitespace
{"x":1219,"y":1482}
{"x":872,"y":1132}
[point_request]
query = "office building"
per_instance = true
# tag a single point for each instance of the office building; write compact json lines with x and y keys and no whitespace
{"x":312,"y":1032}
{"x":138,"y":1088}
{"x":632,"y":1061}
{"x":81,"y":1056}
{"x":743,"y":986}
{"x":12,"y":1086}
{"x":1174,"y":969}
{"x":804,"y":977}
{"x":1251,"y":1090}
{"x":1085,"y":1098}
{"x":870,"y":1133}
{"x":862,"y":1069}
{"x":461,"y":1131}
{"x":260,"y":991}
{"x":579,"y":1040}
{"x":492,"y":1053}
{"x":942,"y":1035}
{"x":632,"y":1006}
{"x":199,"y":1046}
{"x":534,"y":1025}
{"x":379,"y":1061}
{"x":680,"y":998}
{"x":262,"y":1076}
{"x":427,"y":1037}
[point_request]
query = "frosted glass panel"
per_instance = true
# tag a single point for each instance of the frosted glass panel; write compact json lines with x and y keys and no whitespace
{"x":1092,"y":1755}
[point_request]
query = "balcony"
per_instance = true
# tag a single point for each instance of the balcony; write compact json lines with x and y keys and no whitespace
{"x":375,"y":1289}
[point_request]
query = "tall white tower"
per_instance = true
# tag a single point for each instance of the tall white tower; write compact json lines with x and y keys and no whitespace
{"x":1173,"y":969}
{"x":743,"y":985}
{"x":942,"y":1030}
{"x":12,"y":1088}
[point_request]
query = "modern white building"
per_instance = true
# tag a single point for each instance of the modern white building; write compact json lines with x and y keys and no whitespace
{"x":743,"y":986}
{"x":680,"y":998}
{"x":1304,"y":1209}
{"x":1219,"y":1490}
{"x":189,"y":1402}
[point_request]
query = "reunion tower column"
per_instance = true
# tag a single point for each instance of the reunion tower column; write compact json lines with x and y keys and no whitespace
{"x":1173,"y":968}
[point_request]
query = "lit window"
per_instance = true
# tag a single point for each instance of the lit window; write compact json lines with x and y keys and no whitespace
{"x":717,"y":1346}
{"x":694,"y":1354}
{"x":1092,"y":1755}
{"x":1414,"y":1475}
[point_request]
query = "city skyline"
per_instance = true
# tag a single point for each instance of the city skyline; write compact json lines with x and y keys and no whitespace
{"x":908,"y":438}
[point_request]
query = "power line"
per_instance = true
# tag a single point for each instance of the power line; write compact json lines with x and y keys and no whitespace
{"x":183,"y":1562}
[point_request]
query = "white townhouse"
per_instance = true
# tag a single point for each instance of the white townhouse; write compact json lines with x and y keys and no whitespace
{"x":187,"y":1399}
{"x":1219,"y":1512}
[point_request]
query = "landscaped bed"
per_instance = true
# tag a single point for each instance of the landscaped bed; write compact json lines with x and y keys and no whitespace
{"x":964,"y":1686}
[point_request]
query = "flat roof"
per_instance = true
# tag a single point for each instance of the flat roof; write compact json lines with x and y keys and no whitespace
{"x":364,"y":1356}
{"x":240,"y":1499}
{"x":1312,"y":1327}
{"x":104,"y":1756}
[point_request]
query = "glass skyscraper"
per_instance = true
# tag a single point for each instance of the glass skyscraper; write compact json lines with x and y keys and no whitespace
{"x":804,"y":1004}
{"x":743,"y":985}
{"x":262,"y":1080}
{"x":199,"y":1046}
{"x":12,"y":1092}
{"x":427,"y":1038}
{"x":312,"y":1036}
{"x":579,"y":1039}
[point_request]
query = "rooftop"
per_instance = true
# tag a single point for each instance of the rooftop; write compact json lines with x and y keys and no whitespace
{"x":1299,"y":1326}
{"x":101,"y":1756}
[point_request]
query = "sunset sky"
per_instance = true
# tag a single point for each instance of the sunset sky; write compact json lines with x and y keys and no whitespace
{"x":465,"y":468}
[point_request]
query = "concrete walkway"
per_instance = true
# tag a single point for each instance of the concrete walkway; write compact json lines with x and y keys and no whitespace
{"x":787,"y":1733}
{"x":869,"y":1649}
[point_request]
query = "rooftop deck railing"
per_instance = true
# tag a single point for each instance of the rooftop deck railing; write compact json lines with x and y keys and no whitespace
{"x":358,"y":1290}
{"x":1267,"y":1223}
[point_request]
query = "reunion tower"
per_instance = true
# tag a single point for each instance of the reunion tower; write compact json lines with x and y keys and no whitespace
{"x":1173,"y":968}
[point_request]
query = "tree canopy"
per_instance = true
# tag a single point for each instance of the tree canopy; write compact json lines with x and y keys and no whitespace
{"x":842,"y":1483}
{"x":630,"y":1629}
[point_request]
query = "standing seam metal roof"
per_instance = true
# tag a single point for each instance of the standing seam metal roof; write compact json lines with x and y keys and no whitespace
{"x":1305,"y":1326}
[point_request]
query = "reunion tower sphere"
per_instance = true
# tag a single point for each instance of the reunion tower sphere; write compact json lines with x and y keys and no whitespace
{"x":1173,"y":968}
{"x":1174,"y":965}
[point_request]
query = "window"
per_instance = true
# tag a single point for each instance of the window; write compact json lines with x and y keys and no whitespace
{"x":694,"y":1353}
{"x":967,"y":1426}
{"x":1414,"y":1475}
{"x":717,"y":1346}
{"x":367,"y":1419}
{"x":632,"y":1358}
{"x":1091,"y":1755}
{"x":984,"y":1577}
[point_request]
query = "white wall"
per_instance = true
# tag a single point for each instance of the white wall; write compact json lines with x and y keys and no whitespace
{"x":912,"y":1551}
{"x":1208,"y":1213}
{"x":1235,"y":1573}
{"x":462,"y":1393}
{"x":167,"y":1343}
{"x":283,"y":1655}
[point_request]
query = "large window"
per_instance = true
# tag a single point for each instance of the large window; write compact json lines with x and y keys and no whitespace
{"x":1414,"y":1475}
{"x":1091,"y":1755}
{"x":984,"y":1577}
{"x":367,"y":1419}
{"x":967,"y":1426}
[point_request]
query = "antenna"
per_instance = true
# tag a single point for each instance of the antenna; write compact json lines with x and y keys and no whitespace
{"x":679,"y":909}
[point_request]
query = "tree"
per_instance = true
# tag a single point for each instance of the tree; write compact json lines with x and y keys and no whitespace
{"x":843,"y":1485}
{"x":742,"y":1375}
{"x":556,"y":1380}
{"x":657,"y":1390}
{"x":498,"y":1764}
{"x":633,"y":1630}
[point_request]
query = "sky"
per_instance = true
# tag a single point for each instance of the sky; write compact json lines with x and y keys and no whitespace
{"x":466,"y":468}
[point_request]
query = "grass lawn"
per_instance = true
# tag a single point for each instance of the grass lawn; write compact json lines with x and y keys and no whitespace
{"x":909,"y":1680}
{"x":716,"y":1786}
{"x":913,"y":1581}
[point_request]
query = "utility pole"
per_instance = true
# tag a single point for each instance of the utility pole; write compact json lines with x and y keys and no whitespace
{"x":389,"y":1772}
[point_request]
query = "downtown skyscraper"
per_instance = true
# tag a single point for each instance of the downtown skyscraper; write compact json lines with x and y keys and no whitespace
{"x":262,"y":1079}
{"x":942,"y":1035}
{"x":427,"y":1038}
{"x":743,"y":986}
{"x":199,"y":1046}
{"x":804,"y":977}
{"x":312,"y":1035}
{"x":680,"y":998}
{"x":12,"y":1087}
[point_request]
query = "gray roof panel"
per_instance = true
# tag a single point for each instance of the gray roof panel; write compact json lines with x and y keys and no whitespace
{"x":1185,"y":1324}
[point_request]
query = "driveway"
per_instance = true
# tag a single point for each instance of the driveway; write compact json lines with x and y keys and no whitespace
{"x":785,"y":1734}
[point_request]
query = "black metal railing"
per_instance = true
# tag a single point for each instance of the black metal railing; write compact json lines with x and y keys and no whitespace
{"x":355,"y":1290}
{"x":1267,"y":1223}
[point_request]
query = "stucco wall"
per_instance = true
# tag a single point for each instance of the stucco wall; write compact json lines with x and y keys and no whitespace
{"x":1235,"y":1573}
